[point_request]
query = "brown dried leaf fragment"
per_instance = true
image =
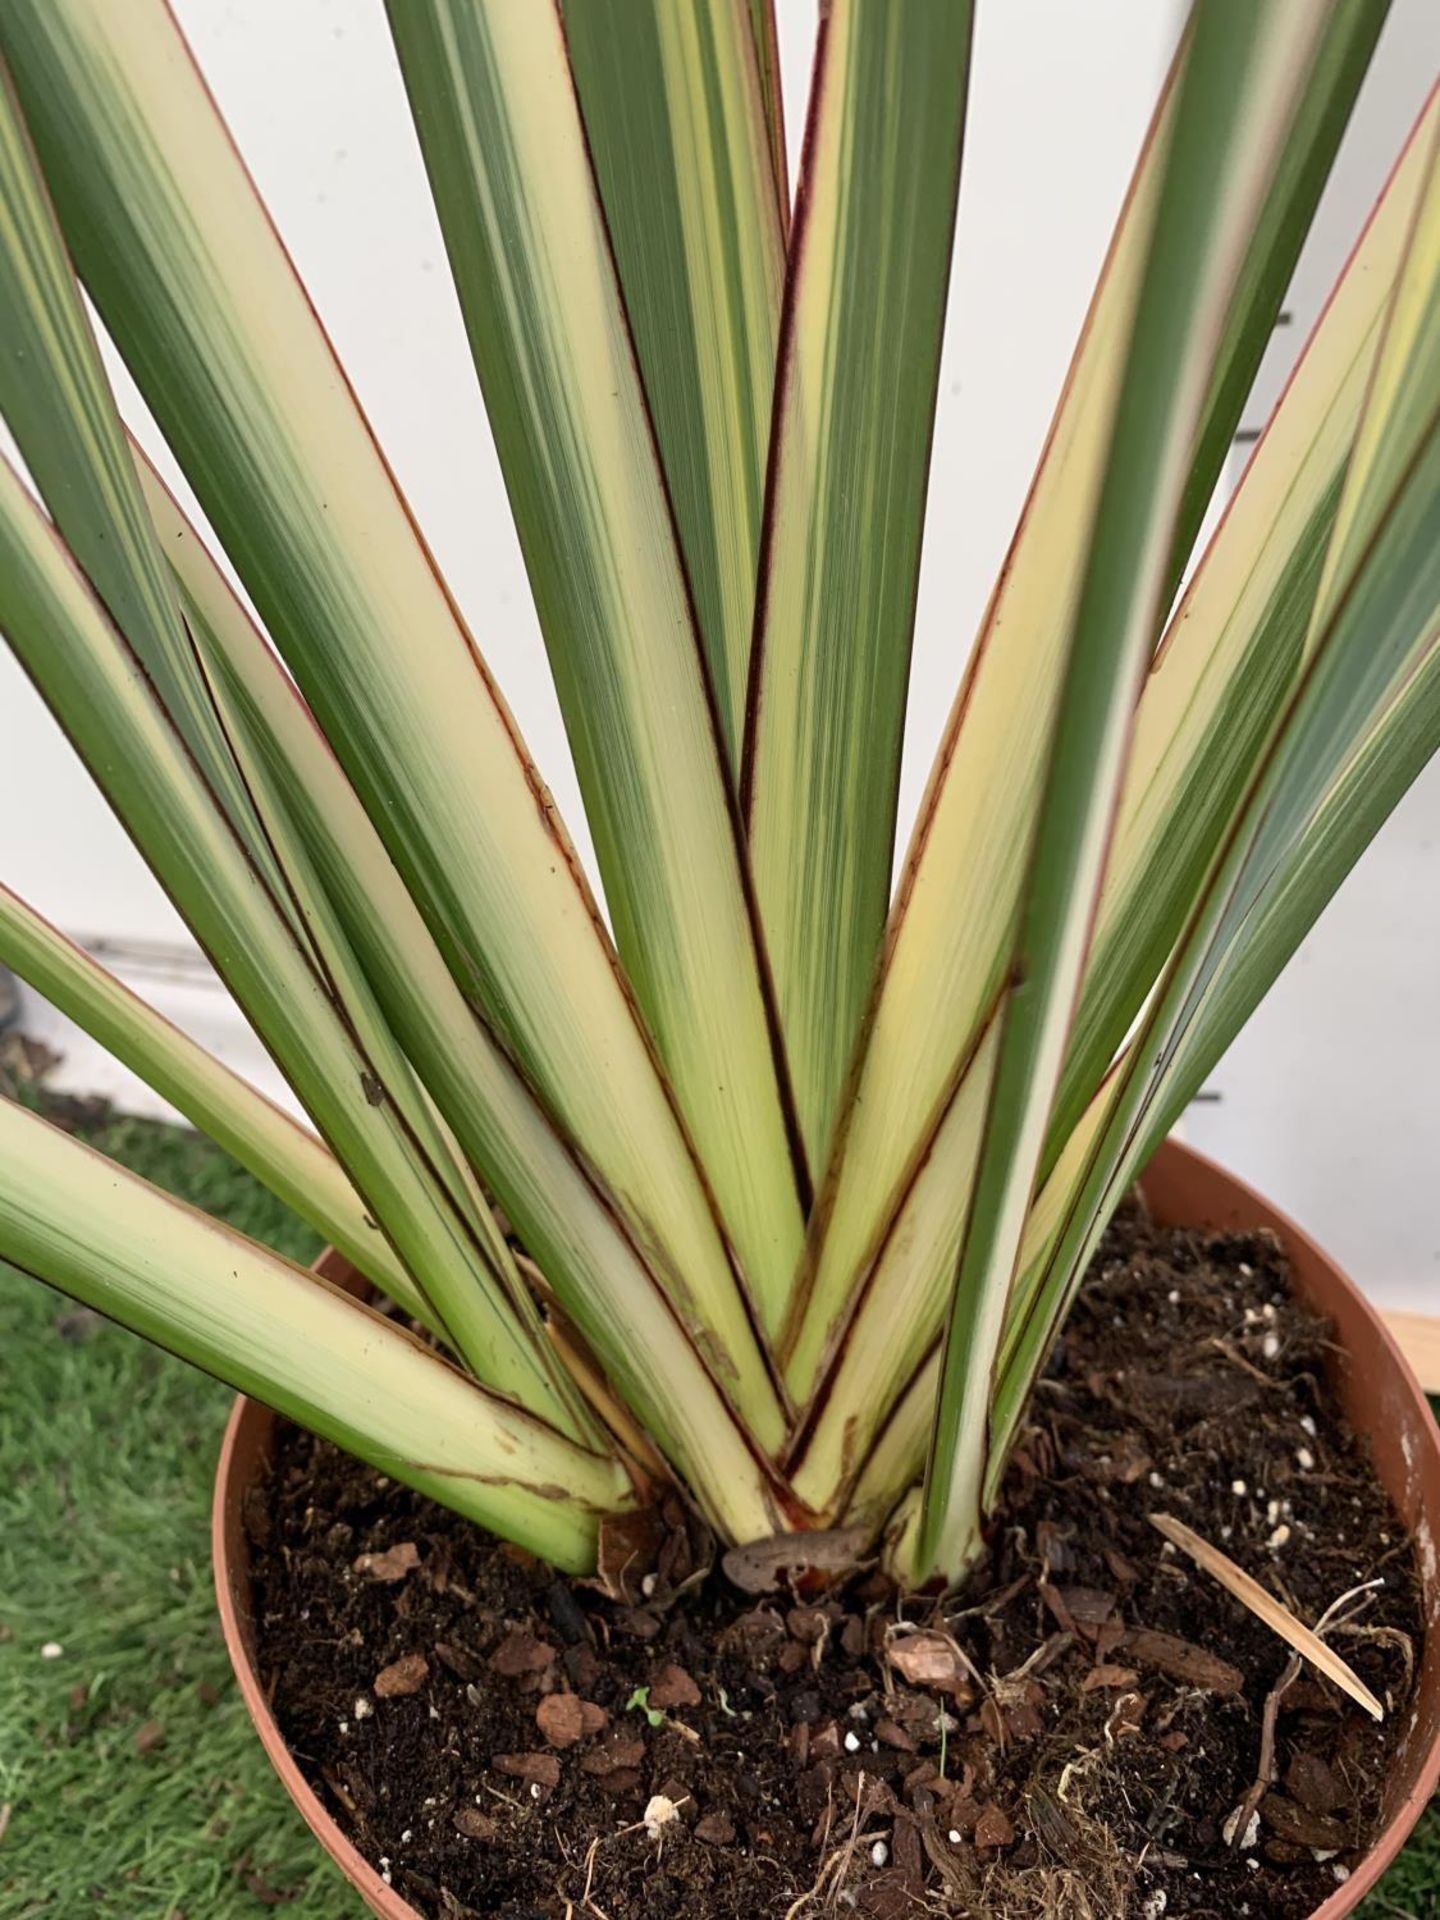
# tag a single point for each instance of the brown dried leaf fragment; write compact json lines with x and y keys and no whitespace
{"x":929,"y":1660}
{"x":1196,"y":1666}
{"x":1107,"y":1675}
{"x":994,"y":1828}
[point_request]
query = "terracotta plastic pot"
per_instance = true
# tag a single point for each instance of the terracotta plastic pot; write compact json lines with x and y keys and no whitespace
{"x":1381,"y":1400}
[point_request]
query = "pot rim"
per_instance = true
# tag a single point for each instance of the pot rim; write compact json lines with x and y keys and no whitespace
{"x":247,"y":1434}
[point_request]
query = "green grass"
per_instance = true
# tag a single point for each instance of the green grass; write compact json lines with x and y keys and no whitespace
{"x":106,"y":1454}
{"x":107,"y":1449}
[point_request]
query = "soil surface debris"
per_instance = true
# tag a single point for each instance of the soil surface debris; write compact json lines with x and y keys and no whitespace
{"x":1090,"y":1729}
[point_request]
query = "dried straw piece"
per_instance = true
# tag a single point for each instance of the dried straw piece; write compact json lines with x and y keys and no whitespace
{"x":1267,"y":1608}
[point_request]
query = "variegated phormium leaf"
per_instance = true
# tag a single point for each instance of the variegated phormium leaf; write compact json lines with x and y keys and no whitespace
{"x":845,"y":508}
{"x":495,"y":110}
{"x":276,"y":1149}
{"x":74,"y":1218}
{"x":1357,"y":717}
{"x":182,"y":261}
{"x":888,"y":1226}
{"x":589,"y":1165}
{"x":677,"y":122}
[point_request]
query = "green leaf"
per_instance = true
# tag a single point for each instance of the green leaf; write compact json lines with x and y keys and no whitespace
{"x":1342,"y":59}
{"x":849,"y":467}
{"x":56,"y":401}
{"x":955,"y":912}
{"x":896,"y":1455}
{"x":76,"y":1219}
{"x":276,"y":1149}
{"x":1232,"y":649}
{"x":107,"y":705}
{"x":772,"y":93}
{"x":1356,"y":722}
{"x":1241,"y":84}
{"x":495,"y":111}
{"x":199,"y":295}
{"x":677,"y":129}
{"x":607,"y":1276}
{"x":894,"y":1201}
{"x":1245,"y":595}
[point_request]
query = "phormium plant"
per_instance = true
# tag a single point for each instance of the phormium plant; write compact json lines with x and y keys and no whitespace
{"x":772,"y":1183}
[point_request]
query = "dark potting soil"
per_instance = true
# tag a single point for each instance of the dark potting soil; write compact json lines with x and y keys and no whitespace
{"x":1069,"y":1736}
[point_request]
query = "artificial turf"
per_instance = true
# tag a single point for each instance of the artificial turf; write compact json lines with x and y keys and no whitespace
{"x":131,"y":1786}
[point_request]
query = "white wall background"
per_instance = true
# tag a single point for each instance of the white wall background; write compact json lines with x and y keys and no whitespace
{"x":1332,"y":1098}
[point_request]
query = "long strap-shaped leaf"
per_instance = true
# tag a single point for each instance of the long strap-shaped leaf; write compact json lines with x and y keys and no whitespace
{"x":895,"y":1450}
{"x":55,"y":396}
{"x":1235,"y":643}
{"x":1218,"y":682}
{"x":1360,"y":714}
{"x":108,"y":707}
{"x":953,"y":921}
{"x":394,"y":1078}
{"x":672,"y":1375}
{"x":54,"y":390}
{"x":1241,"y":84}
{"x":495,"y":110}
{"x":73,"y":1218}
{"x":676,"y":119}
{"x":1403,"y":739}
{"x":276,"y":1149}
{"x":196,"y":289}
{"x":767,"y":60}
{"x":56,"y":401}
{"x":1342,"y":58}
{"x":845,"y":508}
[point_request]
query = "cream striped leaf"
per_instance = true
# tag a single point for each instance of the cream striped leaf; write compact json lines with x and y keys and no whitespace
{"x":945,"y":964}
{"x":849,"y":467}
{"x":897,"y":1449}
{"x":1342,"y":58}
{"x":678,"y":131}
{"x":393,"y":1081}
{"x":1234,"y":645}
{"x":183,"y":263}
{"x":56,"y":402}
{"x":772,"y":93}
{"x":495,"y":111}
{"x":906,"y":1253}
{"x":1400,"y":744}
{"x":105,"y":702}
{"x":1237,"y":100}
{"x":277,"y":1149}
{"x":1353,"y":731}
{"x":1237,"y":636}
{"x":57,"y":399}
{"x":672,"y":1374}
{"x":76,"y":1219}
